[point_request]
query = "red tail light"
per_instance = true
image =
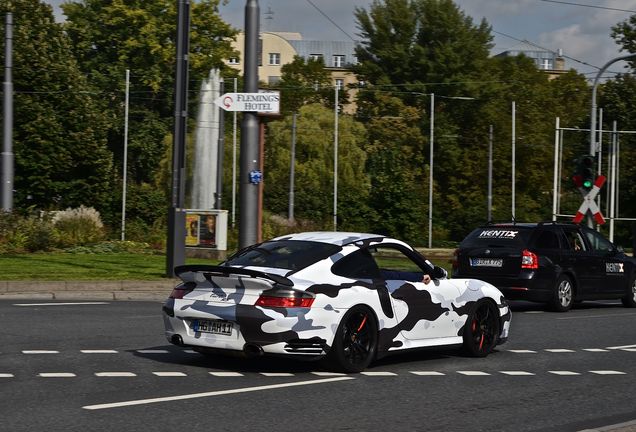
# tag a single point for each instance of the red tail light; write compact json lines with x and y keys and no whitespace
{"x":285,"y":302}
{"x":180,"y":291}
{"x":529,"y":260}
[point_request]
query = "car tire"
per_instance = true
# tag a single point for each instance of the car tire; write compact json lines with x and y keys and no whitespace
{"x":563,"y":297}
{"x":630,"y":299}
{"x":481,"y":331}
{"x":356,"y":341}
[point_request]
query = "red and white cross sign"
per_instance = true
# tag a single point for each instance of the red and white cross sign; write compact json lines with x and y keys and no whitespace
{"x":589,"y":204}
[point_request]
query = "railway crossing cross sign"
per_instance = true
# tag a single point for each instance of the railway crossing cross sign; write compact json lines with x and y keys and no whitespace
{"x":589,"y":204}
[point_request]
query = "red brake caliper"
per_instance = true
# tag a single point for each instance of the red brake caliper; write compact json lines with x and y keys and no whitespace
{"x":364,"y":320}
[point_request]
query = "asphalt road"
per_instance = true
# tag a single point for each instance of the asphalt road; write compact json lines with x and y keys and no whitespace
{"x":106,"y":366}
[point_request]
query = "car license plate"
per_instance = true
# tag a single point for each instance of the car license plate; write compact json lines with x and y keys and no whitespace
{"x":212,"y":326}
{"x":486,"y":262}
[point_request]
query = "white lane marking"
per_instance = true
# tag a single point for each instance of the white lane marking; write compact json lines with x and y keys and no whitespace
{"x":60,"y":304}
{"x":608,"y":372}
{"x":169,"y":374}
{"x":214,"y":393}
{"x":226,"y":374}
{"x":57,"y":375}
{"x":115,"y":374}
{"x":534,"y":312}
{"x":6,"y":375}
{"x":427,"y":373}
{"x":595,"y":316}
{"x":277,"y":374}
{"x":595,"y":350}
{"x":328,"y":374}
{"x":629,"y":349}
{"x":473,"y":373}
{"x":150,"y":351}
{"x":564,"y":373}
{"x":516,"y":373}
{"x":40,"y":352}
{"x":559,"y":350}
{"x":378,"y":373}
{"x":102,"y":351}
{"x":621,"y":347}
{"x":521,"y":351}
{"x":190,"y":351}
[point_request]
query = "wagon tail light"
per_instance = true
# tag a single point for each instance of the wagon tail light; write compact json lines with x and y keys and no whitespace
{"x":529,"y":260}
{"x":285,"y":299}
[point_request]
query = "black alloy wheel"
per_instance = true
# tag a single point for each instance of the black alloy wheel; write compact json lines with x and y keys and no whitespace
{"x":563,"y":297}
{"x":481,"y":331}
{"x":356,"y":341}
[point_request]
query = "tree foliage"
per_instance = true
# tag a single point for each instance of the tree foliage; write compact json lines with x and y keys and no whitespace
{"x":61,"y":158}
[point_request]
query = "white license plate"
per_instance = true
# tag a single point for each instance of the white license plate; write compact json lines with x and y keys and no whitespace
{"x":486,"y":262}
{"x":212,"y":326}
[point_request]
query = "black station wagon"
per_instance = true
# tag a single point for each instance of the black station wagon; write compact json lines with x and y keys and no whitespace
{"x":549,"y":262}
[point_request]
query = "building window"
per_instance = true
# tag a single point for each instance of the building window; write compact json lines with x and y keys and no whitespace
{"x":339,"y":83}
{"x":315,"y":57}
{"x":233,"y":61}
{"x":338,"y":61}
{"x":547,"y":64}
{"x":274,"y":59}
{"x":273,"y":80}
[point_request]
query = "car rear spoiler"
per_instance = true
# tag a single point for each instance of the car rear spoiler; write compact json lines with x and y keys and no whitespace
{"x":226,"y":271}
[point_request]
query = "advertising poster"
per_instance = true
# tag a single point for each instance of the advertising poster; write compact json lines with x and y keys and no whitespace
{"x":192,"y":229}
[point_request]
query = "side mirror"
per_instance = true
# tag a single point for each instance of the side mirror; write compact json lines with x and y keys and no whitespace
{"x":439,"y":273}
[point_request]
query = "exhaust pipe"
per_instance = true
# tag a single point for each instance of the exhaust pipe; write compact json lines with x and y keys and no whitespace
{"x":177,"y":340}
{"x":252,"y":350}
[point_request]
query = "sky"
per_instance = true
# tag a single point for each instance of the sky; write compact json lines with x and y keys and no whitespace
{"x":583,"y":33}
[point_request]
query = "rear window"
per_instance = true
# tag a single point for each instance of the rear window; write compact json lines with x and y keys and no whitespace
{"x":283,"y":254}
{"x":497,"y":237}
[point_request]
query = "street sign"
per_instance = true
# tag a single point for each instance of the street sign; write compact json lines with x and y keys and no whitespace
{"x":589,"y":204}
{"x":258,"y":102}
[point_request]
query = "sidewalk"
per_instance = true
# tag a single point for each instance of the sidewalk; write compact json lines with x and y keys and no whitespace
{"x":87,"y":290}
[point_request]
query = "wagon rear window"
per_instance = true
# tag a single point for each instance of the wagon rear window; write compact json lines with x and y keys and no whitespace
{"x":497,"y":236}
{"x":283,"y":254}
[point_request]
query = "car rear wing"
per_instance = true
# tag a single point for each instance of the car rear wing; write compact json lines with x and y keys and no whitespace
{"x":214,"y":270}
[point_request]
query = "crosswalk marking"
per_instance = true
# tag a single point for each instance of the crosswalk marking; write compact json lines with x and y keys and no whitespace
{"x":427,"y":373}
{"x":169,"y":374}
{"x":226,"y":374}
{"x":378,"y":373}
{"x":559,"y":350}
{"x":516,"y":373}
{"x":473,"y":373}
{"x":102,"y":351}
{"x":564,"y":373}
{"x":40,"y":352}
{"x":276,"y":374}
{"x":115,"y":374}
{"x":6,"y":375}
{"x":522,"y":351}
{"x":595,"y":350}
{"x":57,"y":375}
{"x":607,"y":372}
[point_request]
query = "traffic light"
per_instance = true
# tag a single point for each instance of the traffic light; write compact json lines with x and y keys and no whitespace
{"x":584,"y":176}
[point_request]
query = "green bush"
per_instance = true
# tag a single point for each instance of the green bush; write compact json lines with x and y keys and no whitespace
{"x":79,"y":226}
{"x":153,"y":234}
{"x":20,"y":234}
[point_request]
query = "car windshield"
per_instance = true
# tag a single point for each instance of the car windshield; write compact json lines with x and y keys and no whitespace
{"x":497,"y":236}
{"x":283,"y":254}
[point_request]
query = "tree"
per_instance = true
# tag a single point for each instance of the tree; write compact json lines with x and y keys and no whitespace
{"x":314,"y":168}
{"x":61,"y":157}
{"x":304,"y":82}
{"x":110,"y":37}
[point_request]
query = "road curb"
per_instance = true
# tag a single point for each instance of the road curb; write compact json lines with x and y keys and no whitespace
{"x":86,"y":290}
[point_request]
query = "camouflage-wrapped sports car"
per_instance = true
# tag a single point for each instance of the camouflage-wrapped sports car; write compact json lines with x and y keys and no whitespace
{"x":348,"y":296}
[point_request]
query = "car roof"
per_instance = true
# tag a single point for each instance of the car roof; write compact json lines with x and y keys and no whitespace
{"x":337,"y":238}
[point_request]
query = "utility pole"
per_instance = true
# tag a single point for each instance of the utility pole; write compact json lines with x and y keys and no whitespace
{"x":292,"y":169}
{"x":7,"y":153}
{"x":175,"y":248}
{"x":250,"y":174}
